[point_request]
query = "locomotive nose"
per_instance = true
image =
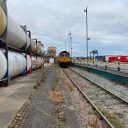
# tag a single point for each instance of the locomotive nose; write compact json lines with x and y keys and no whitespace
{"x":3,"y":21}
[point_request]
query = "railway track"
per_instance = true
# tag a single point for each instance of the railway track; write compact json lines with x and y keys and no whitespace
{"x":104,"y":102}
{"x":103,"y":88}
{"x":119,"y":90}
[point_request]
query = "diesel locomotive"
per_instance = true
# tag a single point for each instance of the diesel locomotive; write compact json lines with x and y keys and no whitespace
{"x":64,"y":59}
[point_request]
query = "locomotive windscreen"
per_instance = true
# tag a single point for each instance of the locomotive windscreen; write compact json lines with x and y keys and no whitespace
{"x":64,"y":54}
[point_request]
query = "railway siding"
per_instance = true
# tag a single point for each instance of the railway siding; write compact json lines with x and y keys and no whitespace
{"x":118,"y":89}
{"x":106,"y":103}
{"x":119,"y":77}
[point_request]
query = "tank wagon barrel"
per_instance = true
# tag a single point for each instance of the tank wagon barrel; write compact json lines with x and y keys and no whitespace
{"x":18,"y":52}
{"x":15,"y":37}
{"x":37,"y":47}
{"x":40,"y":48}
{"x":17,"y":64}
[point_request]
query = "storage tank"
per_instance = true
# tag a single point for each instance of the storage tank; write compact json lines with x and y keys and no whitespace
{"x":52,"y":51}
{"x":16,"y":37}
{"x":17,"y":64}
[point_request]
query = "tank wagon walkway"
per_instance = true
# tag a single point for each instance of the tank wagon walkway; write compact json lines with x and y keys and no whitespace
{"x":48,"y":106}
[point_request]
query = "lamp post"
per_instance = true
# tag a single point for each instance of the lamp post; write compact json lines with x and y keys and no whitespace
{"x":86,"y":11}
{"x":71,"y":47}
{"x":65,"y":47}
{"x":70,"y":41}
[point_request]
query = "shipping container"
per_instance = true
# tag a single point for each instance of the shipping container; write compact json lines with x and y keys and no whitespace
{"x":113,"y":58}
{"x":100,"y":58}
{"x":123,"y":58}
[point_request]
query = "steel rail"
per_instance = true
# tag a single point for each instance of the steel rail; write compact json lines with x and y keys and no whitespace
{"x":101,"y":116}
{"x":103,"y":88}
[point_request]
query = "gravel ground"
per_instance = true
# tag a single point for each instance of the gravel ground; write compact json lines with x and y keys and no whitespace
{"x":39,"y":111}
{"x":42,"y":111}
{"x":103,"y":101}
{"x":56,"y":103}
{"x":49,"y":106}
{"x":85,"y":114}
{"x":115,"y":88}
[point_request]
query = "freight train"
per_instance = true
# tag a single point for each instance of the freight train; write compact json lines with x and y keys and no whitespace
{"x":112,"y":58}
{"x":64,"y":59}
{"x":18,"y":43}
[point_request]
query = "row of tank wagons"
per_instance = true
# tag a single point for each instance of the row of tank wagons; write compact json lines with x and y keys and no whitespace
{"x":17,"y":63}
{"x":64,"y":59}
{"x":16,"y":37}
{"x":111,"y":58}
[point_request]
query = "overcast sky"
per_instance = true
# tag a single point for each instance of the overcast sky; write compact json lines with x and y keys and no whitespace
{"x":51,"y":20}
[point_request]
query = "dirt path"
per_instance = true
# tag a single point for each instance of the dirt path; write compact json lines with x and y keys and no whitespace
{"x":49,"y":106}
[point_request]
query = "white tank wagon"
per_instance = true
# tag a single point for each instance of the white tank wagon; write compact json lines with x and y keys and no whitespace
{"x":33,"y":46}
{"x":36,"y":63}
{"x":40,"y":48}
{"x":37,"y":46}
{"x":16,"y":62}
{"x":16,"y":37}
{"x":29,"y":62}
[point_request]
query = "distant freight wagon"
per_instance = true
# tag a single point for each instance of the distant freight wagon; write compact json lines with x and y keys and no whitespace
{"x":110,"y":58}
{"x":123,"y":58}
{"x":100,"y":58}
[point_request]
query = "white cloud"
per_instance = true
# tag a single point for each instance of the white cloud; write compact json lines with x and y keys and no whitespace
{"x":51,"y":20}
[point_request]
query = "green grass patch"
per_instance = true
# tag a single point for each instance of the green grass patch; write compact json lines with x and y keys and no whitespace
{"x":59,"y":124}
{"x":112,"y":117}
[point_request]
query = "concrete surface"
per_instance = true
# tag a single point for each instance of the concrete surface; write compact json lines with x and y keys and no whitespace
{"x":13,"y":97}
